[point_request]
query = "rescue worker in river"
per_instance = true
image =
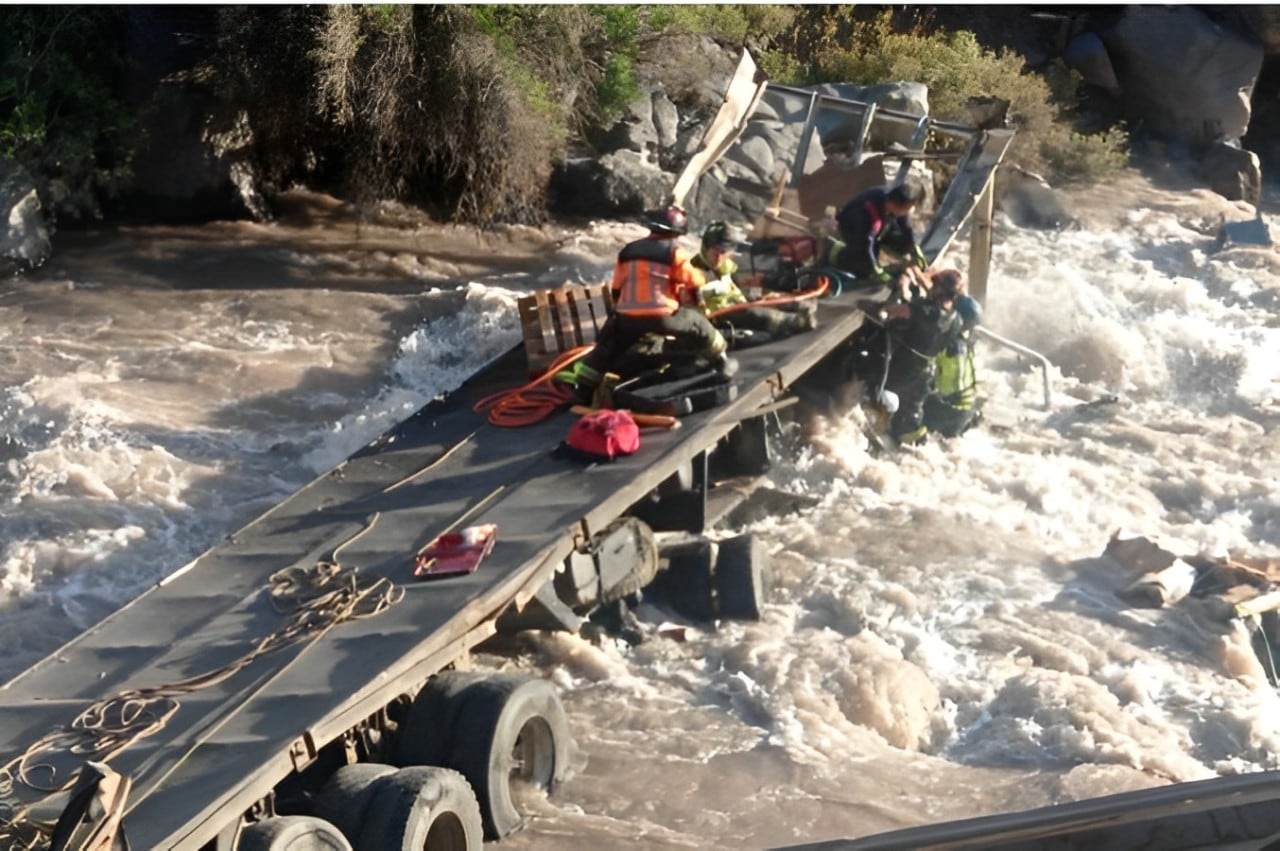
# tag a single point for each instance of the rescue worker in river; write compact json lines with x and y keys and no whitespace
{"x":656,"y":318}
{"x":951,"y":408}
{"x":919,"y":326}
{"x":720,"y":292}
{"x":915,"y":362}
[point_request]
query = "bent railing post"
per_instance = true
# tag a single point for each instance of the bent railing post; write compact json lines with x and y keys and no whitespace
{"x":1023,"y":350}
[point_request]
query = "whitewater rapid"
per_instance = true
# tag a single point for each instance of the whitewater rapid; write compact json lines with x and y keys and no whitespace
{"x":943,"y":640}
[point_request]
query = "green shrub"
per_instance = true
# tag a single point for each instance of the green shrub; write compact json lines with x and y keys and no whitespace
{"x":461,"y":109}
{"x":59,"y":117}
{"x":1087,"y":157}
{"x":620,"y":25}
{"x":731,"y":23}
{"x":480,"y":147}
{"x":262,"y":77}
{"x":780,"y":67}
{"x":618,"y":32}
{"x":617,"y":90}
{"x":466,"y":109}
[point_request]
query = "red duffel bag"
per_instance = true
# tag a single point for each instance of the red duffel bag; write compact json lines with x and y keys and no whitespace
{"x":604,"y":435}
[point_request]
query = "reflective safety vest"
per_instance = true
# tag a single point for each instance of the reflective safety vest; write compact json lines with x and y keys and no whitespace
{"x":718,"y":292}
{"x":956,"y":380}
{"x":651,"y":276}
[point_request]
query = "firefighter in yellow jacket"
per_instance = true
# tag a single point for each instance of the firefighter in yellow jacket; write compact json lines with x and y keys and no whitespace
{"x":951,"y":407}
{"x":724,"y":303}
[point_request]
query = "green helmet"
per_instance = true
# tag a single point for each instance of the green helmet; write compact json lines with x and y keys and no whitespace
{"x":718,"y":235}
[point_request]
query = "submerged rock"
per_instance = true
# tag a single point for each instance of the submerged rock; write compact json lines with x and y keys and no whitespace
{"x":24,"y":242}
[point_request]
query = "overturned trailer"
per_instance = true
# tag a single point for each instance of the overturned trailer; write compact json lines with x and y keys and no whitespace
{"x":297,"y":686}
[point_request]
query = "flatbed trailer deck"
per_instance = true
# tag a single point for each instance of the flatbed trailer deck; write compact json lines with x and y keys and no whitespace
{"x":232,"y":740}
{"x":225,"y":680}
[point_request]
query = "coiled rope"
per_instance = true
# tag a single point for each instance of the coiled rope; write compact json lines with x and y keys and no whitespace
{"x":314,"y":600}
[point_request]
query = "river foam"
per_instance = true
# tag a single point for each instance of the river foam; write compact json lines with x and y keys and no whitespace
{"x":944,"y":639}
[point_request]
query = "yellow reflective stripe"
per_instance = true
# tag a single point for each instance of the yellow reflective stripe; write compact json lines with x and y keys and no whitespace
{"x":956,"y":379}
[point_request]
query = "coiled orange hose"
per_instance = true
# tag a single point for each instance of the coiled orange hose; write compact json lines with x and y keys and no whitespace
{"x":534,"y":401}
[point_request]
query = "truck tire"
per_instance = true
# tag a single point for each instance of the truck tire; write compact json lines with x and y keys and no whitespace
{"x":292,"y":833}
{"x":345,"y":795}
{"x":686,"y":583}
{"x":422,"y":808}
{"x":426,"y":733}
{"x":510,"y":729}
{"x":742,"y":578}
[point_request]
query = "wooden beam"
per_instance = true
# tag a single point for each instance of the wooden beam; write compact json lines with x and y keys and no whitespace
{"x":980,"y":242}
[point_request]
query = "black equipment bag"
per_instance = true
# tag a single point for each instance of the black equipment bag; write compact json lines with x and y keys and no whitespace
{"x":659,"y":393}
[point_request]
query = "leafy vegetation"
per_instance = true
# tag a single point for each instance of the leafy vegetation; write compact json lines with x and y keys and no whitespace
{"x":466,"y":109}
{"x":451,"y":149}
{"x":59,"y":117}
{"x":751,"y":26}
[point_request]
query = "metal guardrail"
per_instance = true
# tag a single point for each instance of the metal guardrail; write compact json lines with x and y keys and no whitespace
{"x":1023,"y":350}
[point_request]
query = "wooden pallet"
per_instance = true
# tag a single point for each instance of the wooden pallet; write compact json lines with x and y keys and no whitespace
{"x":555,"y":321}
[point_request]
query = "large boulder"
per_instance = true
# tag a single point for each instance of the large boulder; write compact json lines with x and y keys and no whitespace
{"x":1181,"y":75}
{"x":635,"y":129}
{"x":902,"y":96}
{"x":24,"y":241}
{"x":1263,"y":22}
{"x":666,"y":119}
{"x":183,"y":169}
{"x":1088,"y":55}
{"x":618,"y":183}
{"x":1232,"y":172}
{"x":1029,"y":202}
{"x":741,"y":185}
{"x":714,"y":199}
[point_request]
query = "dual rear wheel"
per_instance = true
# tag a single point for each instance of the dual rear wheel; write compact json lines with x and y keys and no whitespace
{"x":468,"y":750}
{"x":507,"y":735}
{"x":377,"y":807}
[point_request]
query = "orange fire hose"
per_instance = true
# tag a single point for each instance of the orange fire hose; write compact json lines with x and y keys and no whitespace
{"x":824,"y":283}
{"x":533,"y":402}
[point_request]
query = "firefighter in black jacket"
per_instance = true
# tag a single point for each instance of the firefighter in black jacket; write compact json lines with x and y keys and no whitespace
{"x":919,"y":327}
{"x":878,"y":218}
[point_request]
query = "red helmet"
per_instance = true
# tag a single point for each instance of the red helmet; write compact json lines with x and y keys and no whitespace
{"x":672,"y":219}
{"x":947,"y":283}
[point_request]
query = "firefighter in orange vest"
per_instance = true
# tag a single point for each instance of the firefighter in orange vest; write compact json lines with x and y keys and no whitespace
{"x":656,"y":318}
